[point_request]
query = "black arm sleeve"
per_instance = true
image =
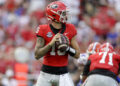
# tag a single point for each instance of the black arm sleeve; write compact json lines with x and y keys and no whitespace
{"x":86,"y":68}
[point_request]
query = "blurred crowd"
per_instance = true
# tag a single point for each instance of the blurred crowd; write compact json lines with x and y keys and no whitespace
{"x":95,"y":20}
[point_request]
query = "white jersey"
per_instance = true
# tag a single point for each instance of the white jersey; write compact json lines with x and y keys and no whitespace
{"x":83,"y":58}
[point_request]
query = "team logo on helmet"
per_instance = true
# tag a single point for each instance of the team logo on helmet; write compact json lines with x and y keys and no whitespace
{"x":54,"y":6}
{"x":49,"y":34}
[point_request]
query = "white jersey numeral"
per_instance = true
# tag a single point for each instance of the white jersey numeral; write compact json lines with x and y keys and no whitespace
{"x":53,"y":50}
{"x":104,"y":57}
{"x":58,"y":52}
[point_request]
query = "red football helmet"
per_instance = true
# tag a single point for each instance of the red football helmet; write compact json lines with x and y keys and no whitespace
{"x":106,"y":47}
{"x":56,"y":11}
{"x":93,"y":48}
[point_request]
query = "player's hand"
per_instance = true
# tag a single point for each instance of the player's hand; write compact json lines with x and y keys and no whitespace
{"x":63,"y":43}
{"x":55,"y":38}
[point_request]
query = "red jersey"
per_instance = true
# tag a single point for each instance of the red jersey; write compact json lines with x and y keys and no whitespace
{"x":54,"y":57}
{"x":105,"y":60}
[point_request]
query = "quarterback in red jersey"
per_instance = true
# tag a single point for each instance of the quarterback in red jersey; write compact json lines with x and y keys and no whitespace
{"x":102,"y":68}
{"x":54,"y":42}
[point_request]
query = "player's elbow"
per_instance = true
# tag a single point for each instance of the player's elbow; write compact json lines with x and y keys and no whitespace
{"x":37,"y":56}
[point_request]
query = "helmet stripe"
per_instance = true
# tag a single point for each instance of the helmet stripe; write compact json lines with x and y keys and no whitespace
{"x":94,"y":46}
{"x":107,"y":46}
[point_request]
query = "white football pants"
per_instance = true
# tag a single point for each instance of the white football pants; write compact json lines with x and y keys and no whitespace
{"x":99,"y":80}
{"x":46,"y":79}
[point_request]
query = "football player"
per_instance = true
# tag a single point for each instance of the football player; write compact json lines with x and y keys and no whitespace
{"x":82,"y":60}
{"x":54,"y":42}
{"x":92,"y":49}
{"x":102,"y":68}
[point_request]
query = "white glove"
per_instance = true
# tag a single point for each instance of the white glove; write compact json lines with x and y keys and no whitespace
{"x":83,"y":58}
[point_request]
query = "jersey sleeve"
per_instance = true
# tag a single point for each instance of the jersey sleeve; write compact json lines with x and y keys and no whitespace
{"x":39,"y":31}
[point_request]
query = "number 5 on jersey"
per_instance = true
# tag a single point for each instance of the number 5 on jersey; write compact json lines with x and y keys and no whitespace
{"x":58,"y":52}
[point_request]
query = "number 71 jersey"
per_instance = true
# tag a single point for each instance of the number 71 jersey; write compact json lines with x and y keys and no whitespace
{"x":105,"y":60}
{"x":54,"y":57}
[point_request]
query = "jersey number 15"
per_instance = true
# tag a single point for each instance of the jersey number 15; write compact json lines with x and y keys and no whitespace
{"x":58,"y":52}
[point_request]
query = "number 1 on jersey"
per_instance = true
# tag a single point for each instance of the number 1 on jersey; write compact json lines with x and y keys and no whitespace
{"x":58,"y":52}
{"x":110,"y":55}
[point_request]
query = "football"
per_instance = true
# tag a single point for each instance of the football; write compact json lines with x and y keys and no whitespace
{"x":62,"y":47}
{"x":62,"y":43}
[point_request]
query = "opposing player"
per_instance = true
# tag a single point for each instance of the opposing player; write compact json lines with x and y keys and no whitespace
{"x":92,"y":49}
{"x":82,"y":60}
{"x":102,"y":68}
{"x":54,"y":42}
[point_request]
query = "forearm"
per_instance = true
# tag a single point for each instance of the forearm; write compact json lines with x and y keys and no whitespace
{"x":75,"y":46}
{"x":73,"y":52}
{"x":84,"y":78}
{"x":86,"y":70}
{"x":42,"y":51}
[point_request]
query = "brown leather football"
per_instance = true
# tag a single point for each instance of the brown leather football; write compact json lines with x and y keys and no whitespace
{"x":62,"y":43}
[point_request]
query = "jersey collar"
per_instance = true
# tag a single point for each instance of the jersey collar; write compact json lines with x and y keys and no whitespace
{"x":55,"y":31}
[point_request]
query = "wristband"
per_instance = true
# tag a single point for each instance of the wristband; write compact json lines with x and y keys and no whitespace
{"x":71,"y":51}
